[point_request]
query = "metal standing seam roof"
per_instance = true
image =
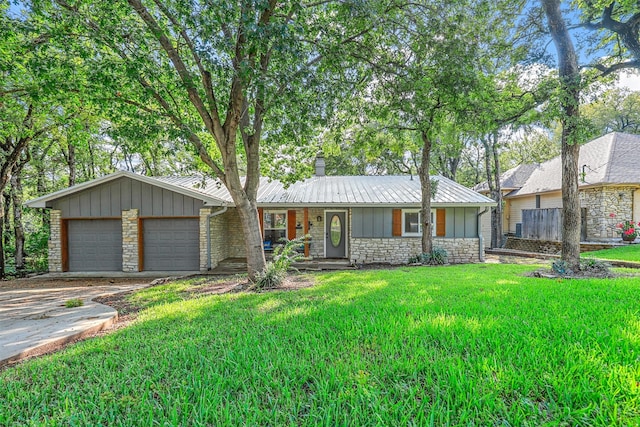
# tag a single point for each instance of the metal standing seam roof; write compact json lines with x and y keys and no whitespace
{"x":610,"y":159}
{"x":343,"y":190}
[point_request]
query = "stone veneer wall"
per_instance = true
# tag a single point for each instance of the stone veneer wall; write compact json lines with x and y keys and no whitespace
{"x":601,"y":202}
{"x":552,"y":247}
{"x":55,"y":241}
{"x":397,"y":250}
{"x":316,"y":231}
{"x":202,"y":238}
{"x":130,"y":240}
{"x":234,"y":236}
{"x":221,"y":240}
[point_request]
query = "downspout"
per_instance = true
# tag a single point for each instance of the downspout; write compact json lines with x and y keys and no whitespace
{"x":480,"y":236}
{"x":211,"y":215}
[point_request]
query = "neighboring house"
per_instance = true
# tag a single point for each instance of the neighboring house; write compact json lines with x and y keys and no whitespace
{"x":129,"y":222}
{"x":609,"y":184}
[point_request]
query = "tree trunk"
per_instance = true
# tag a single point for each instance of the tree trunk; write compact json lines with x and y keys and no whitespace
{"x":425,"y":186}
{"x":6,"y":207}
{"x":253,"y":240}
{"x":492,"y":171}
{"x":2,"y":219}
{"x":569,"y":75}
{"x":41,"y":187}
{"x":18,"y":229}
{"x":71,"y":162}
{"x":496,"y":214}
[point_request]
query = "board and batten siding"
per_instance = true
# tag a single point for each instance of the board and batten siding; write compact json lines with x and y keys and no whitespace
{"x":111,"y":198}
{"x":371,"y":222}
{"x":461,"y":222}
{"x":378,"y":222}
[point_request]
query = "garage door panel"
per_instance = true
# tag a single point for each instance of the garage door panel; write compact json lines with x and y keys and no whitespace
{"x":95,"y":245}
{"x":171,"y":244}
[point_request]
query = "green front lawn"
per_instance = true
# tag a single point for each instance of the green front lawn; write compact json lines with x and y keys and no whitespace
{"x":462,"y":345}
{"x":621,"y":253}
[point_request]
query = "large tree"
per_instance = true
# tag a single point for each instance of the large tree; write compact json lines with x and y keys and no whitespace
{"x":569,"y":98}
{"x":30,"y":107}
{"x":616,"y":24}
{"x":217,"y":75}
{"x":616,"y":110}
{"x":425,"y":63}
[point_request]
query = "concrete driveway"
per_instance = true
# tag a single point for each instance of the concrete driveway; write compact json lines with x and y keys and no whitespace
{"x":34,"y":319}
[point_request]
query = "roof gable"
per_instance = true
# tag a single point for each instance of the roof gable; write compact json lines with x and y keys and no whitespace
{"x":41,"y":202}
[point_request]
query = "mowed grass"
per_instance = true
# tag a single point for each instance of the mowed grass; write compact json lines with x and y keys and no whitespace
{"x":621,"y":253}
{"x":460,"y":345}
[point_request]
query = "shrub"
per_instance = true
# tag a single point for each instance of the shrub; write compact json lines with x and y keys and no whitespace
{"x":437,"y":256}
{"x":588,"y":267}
{"x":594,"y":267}
{"x":276,"y":270}
{"x":561,"y":268}
{"x":76,"y":302}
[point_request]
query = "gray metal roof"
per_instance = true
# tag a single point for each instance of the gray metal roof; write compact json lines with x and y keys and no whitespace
{"x":610,"y":159}
{"x":342,"y":190}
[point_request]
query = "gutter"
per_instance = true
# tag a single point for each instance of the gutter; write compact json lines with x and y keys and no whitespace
{"x":480,"y":236}
{"x":211,"y":215}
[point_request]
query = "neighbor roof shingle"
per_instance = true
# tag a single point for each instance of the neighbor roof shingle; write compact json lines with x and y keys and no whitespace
{"x":610,"y":159}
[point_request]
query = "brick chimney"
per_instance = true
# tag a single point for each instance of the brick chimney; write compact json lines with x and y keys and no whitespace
{"x":320,"y":165}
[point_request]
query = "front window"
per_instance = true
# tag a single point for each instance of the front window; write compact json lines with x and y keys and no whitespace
{"x":412,"y":222}
{"x":275,"y":228}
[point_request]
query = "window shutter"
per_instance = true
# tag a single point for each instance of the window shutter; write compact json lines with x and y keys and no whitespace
{"x":441,"y":215}
{"x":261,"y":219}
{"x":396,"y":227}
{"x":291,"y":224}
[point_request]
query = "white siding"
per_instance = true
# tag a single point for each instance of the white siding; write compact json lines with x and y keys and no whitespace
{"x":515,"y":210}
{"x":551,"y":200}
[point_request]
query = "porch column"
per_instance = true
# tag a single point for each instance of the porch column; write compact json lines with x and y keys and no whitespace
{"x":305,"y":227}
{"x":130,"y":241}
{"x":55,"y":241}
{"x":205,"y":251}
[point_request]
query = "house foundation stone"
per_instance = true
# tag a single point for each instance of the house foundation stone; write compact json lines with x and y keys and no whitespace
{"x":398,"y":250}
{"x":130,"y":248}
{"x":55,"y":241}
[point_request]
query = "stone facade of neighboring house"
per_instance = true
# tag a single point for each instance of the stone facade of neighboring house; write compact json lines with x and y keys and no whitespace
{"x":609,"y":186}
{"x":127,"y":222}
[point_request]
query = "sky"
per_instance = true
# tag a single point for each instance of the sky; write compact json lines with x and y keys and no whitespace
{"x":630,"y":81}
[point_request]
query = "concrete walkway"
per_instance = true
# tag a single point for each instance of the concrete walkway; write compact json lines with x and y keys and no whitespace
{"x":34,"y":320}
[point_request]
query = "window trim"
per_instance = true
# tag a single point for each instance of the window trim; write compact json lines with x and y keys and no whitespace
{"x":419,"y":233}
{"x":270,"y":212}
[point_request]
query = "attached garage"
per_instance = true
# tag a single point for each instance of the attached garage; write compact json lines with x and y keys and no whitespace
{"x":171,"y":244}
{"x":94,"y":245}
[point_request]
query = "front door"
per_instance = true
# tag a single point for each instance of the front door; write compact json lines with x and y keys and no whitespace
{"x":335,"y":235}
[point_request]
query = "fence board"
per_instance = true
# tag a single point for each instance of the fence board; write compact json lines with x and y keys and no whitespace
{"x":542,"y":224}
{"x":546,"y":224}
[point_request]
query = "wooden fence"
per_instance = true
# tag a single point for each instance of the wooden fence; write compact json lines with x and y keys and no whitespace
{"x":546,"y":224}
